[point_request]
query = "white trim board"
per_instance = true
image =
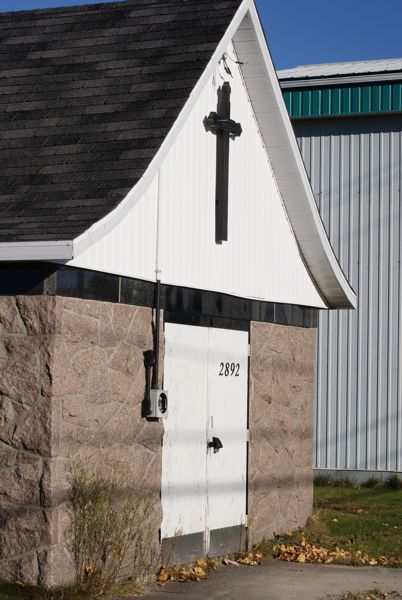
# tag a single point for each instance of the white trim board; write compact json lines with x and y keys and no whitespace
{"x":32,"y":251}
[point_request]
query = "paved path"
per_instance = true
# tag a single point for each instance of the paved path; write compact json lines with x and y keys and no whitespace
{"x":276,"y":580}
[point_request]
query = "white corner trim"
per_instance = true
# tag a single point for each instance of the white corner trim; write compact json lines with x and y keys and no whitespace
{"x":106,"y":224}
{"x":29,"y":251}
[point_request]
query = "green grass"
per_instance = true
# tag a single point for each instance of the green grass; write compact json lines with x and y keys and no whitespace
{"x":365,"y":519}
{"x":11,"y":591}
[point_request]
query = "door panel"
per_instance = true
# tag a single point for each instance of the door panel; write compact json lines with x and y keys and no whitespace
{"x":227,"y":420}
{"x":184,"y":442}
{"x":206,"y":375}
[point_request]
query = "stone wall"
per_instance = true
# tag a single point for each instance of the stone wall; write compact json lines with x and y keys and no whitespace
{"x":281,"y":428}
{"x":72,"y":382}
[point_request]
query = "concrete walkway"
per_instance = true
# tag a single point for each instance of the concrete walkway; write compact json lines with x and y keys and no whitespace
{"x":276,"y":580}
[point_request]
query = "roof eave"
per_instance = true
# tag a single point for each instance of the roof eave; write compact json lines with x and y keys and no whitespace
{"x":338,"y":80}
{"x":36,"y":251}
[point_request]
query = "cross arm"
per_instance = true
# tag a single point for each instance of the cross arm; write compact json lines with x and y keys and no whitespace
{"x":215,"y":124}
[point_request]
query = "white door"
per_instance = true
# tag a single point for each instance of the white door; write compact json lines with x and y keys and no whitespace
{"x":227,"y":421}
{"x":204,"y":491}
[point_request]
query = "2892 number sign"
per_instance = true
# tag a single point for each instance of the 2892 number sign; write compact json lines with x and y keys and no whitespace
{"x":229,"y":369}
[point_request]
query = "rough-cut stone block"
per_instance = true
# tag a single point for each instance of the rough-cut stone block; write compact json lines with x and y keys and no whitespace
{"x":56,"y":567}
{"x":41,"y":315}
{"x":10,"y":317}
{"x":22,"y":529}
{"x":20,"y":374}
{"x":34,"y":433}
{"x":123,"y":316}
{"x":140,"y":332}
{"x":24,"y":570}
{"x":21,"y":484}
{"x":127,"y":360}
{"x":8,"y":456}
{"x":9,"y":412}
{"x":80,"y":330}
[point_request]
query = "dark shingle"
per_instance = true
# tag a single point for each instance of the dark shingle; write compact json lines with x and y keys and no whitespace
{"x":87,"y":95}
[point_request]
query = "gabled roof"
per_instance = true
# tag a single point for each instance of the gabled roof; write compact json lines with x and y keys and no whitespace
{"x":87,"y":96}
{"x":77,"y":203}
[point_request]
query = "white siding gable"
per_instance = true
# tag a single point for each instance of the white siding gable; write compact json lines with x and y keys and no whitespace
{"x":260,"y":259}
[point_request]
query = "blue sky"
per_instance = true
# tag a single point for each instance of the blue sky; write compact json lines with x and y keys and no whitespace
{"x":309,"y":31}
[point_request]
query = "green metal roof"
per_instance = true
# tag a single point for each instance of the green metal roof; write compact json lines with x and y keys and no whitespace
{"x":343,"y":100}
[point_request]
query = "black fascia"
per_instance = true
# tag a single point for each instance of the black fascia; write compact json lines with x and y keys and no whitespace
{"x":181,"y":304}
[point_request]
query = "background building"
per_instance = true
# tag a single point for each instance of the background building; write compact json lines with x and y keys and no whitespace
{"x":348,"y":123}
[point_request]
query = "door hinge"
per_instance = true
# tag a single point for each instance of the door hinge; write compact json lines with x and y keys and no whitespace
{"x":247,"y":435}
{"x":249,"y":350}
{"x":246,"y":520}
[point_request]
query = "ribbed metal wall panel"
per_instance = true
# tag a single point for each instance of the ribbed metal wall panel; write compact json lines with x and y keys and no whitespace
{"x":340,"y":100}
{"x":355,"y":166}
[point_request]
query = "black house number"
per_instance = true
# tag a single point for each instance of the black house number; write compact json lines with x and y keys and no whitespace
{"x":229,"y":369}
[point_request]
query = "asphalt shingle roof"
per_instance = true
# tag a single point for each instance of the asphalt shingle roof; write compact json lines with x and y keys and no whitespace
{"x":87,"y":95}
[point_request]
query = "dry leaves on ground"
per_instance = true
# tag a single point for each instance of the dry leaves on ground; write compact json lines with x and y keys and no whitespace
{"x":199,"y":570}
{"x":306,"y":552}
{"x":376,"y":594}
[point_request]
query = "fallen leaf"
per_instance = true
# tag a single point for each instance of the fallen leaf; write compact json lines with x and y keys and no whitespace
{"x":202,"y":563}
{"x":163,"y":575}
{"x":199,"y":572}
{"x":228,"y":561}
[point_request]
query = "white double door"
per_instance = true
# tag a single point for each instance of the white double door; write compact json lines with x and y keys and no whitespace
{"x":206,"y":375}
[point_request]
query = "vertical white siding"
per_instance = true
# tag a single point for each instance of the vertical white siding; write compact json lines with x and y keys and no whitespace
{"x":261,"y":258}
{"x":355,"y":166}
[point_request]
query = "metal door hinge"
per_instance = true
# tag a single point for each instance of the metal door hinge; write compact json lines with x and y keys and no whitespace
{"x":247,"y":435}
{"x":249,"y":350}
{"x":246,"y":520}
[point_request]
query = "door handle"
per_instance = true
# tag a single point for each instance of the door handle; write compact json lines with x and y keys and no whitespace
{"x":216,"y":444}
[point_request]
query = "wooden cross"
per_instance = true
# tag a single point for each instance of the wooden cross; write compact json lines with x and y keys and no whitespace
{"x":225,"y":129}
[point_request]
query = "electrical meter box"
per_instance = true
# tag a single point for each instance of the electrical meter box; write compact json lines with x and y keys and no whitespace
{"x":158,"y":404}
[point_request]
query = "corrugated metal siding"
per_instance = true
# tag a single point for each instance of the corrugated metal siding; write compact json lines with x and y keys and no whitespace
{"x":355,"y":166}
{"x":344,"y":100}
